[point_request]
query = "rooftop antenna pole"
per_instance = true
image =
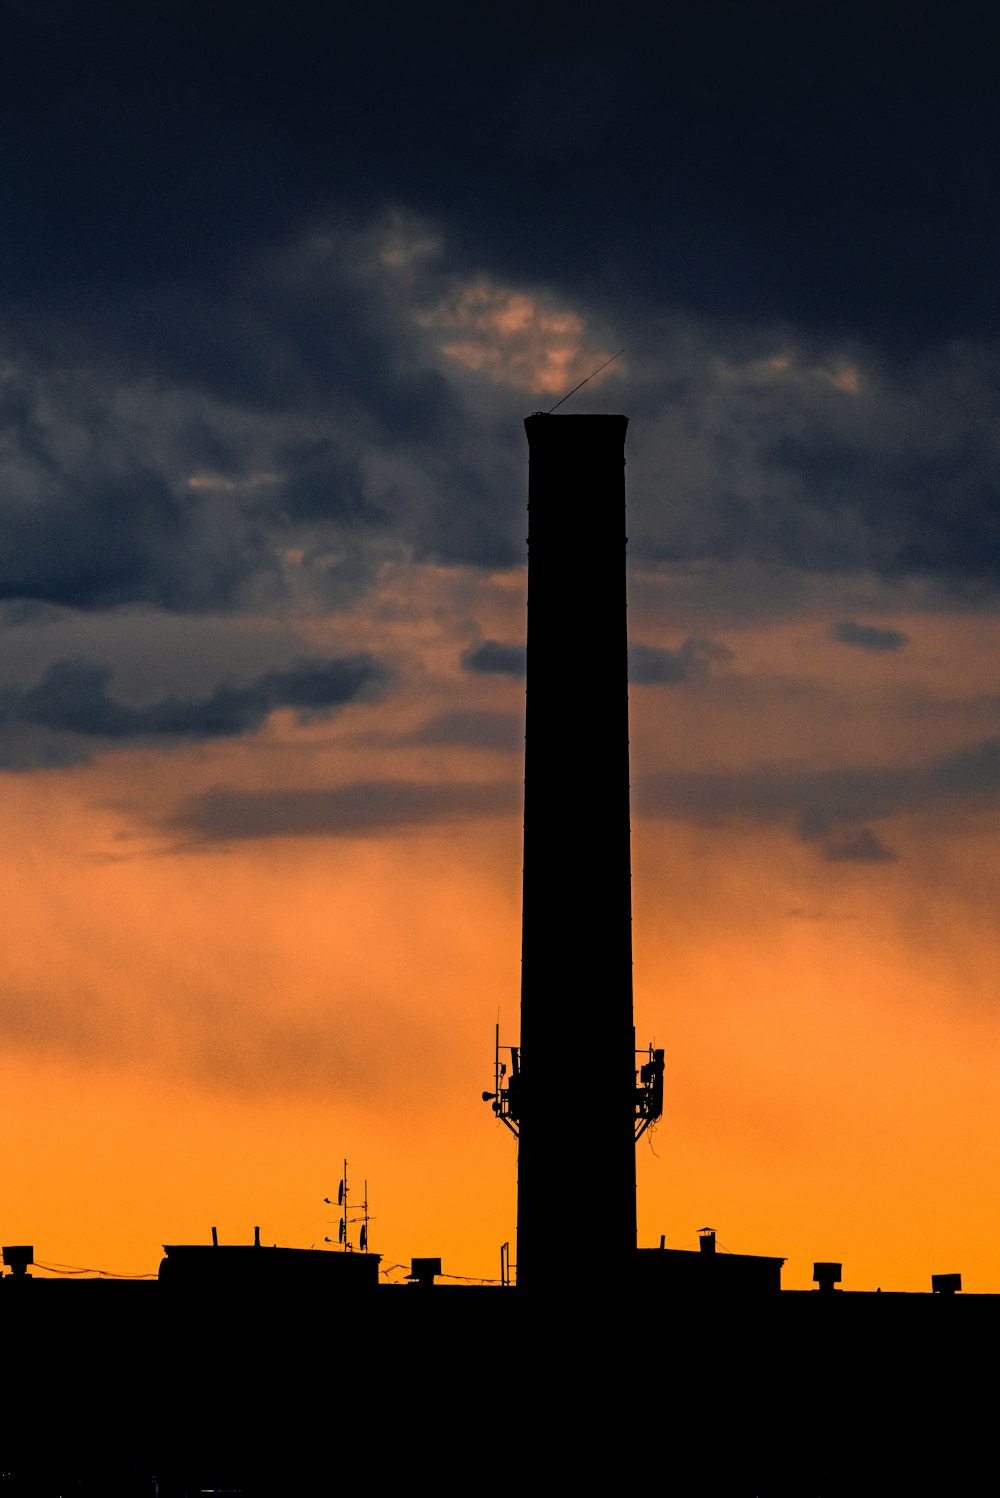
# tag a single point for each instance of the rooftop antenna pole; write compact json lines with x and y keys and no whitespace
{"x":343,"y":1227}
{"x":589,"y":377}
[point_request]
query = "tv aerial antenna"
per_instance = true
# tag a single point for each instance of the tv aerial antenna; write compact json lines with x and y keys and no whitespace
{"x":349,"y":1217}
{"x":584,"y":382}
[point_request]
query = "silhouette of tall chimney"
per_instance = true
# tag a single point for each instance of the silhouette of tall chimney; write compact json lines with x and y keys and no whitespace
{"x":576,"y":1089}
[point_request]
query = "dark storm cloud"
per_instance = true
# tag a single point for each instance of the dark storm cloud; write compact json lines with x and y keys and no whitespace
{"x":830,"y":807}
{"x":473,"y":510}
{"x":98,"y":536}
{"x":299,"y":328}
{"x":867,"y":636}
{"x":918,"y":497}
{"x":73,"y":699}
{"x":650,"y":665}
{"x":496,"y":658}
{"x":189,"y":202}
{"x":763,"y":161}
{"x":192,"y":439}
{"x":825,"y":461}
{"x":323,"y":484}
{"x":365,"y":809}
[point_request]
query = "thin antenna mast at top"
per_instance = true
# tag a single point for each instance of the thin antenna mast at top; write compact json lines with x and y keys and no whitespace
{"x":589,"y":377}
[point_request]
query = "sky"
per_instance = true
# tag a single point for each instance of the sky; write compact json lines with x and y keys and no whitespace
{"x":278,"y":285}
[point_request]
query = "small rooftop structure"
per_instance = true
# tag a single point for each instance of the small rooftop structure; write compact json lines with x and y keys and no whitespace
{"x":704,"y":1272}
{"x":251,"y":1267}
{"x":17,"y":1257}
{"x":827,"y":1276}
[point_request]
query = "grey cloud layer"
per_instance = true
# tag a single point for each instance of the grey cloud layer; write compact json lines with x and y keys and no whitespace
{"x":776,"y":451}
{"x":651,"y":665}
{"x":183,"y":448}
{"x":496,"y":658}
{"x":174,"y":476}
{"x":867,"y":636}
{"x":648,"y":665}
{"x":72,"y":701}
{"x":831,"y":807}
{"x":360,"y":810}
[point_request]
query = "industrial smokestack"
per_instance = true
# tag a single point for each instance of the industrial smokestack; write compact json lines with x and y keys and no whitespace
{"x":576,"y":1102}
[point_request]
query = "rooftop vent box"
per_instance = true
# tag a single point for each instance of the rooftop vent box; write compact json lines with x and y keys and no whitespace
{"x":827,"y":1275}
{"x":17,"y":1257}
{"x":423,"y":1271}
